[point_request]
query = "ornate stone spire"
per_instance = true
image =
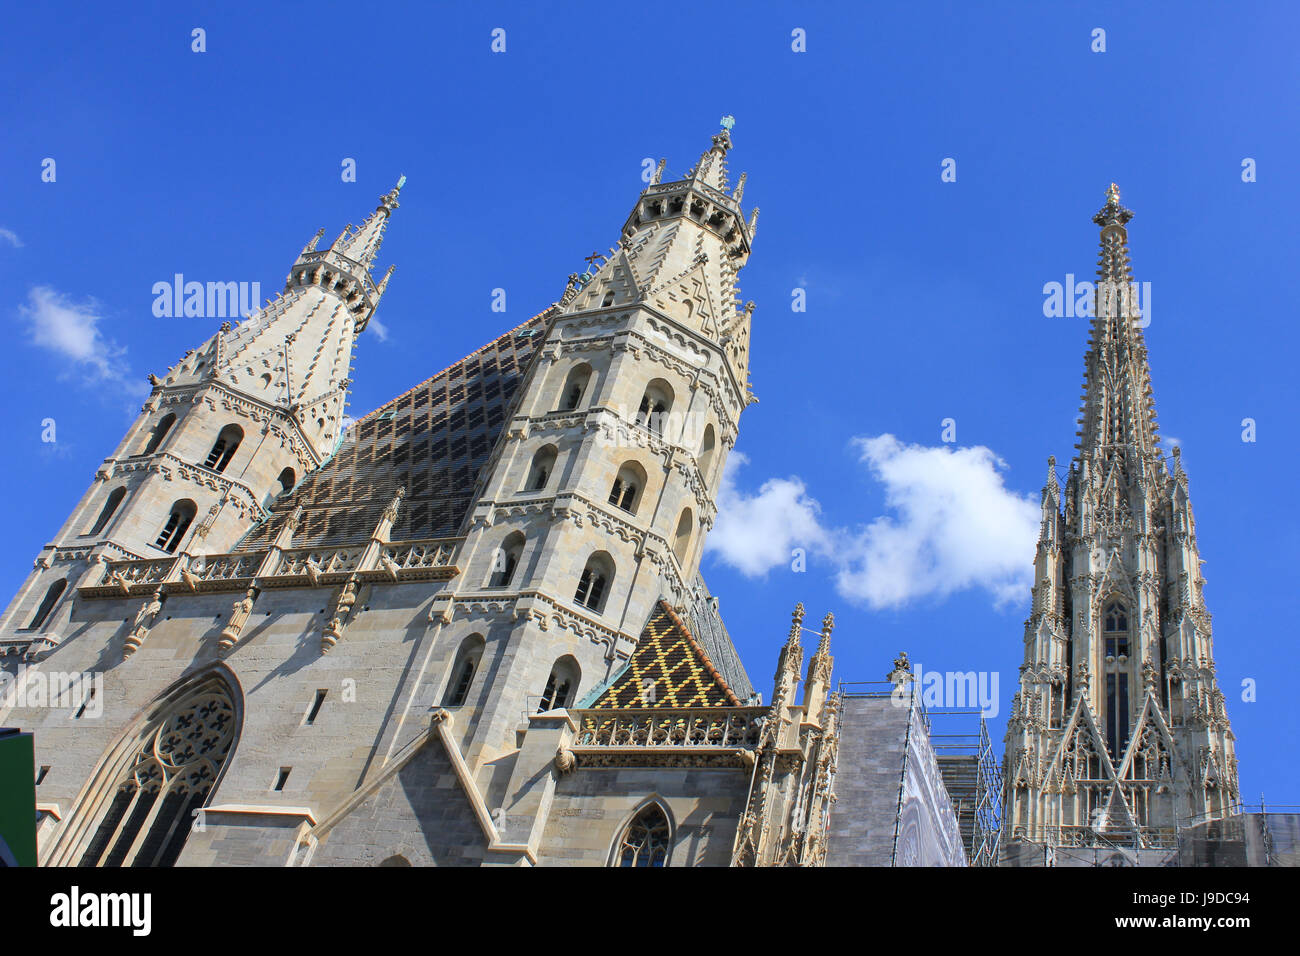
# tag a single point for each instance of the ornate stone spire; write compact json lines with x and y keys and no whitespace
{"x":1118,"y":413}
{"x":1118,"y":709}
{"x":363,"y":245}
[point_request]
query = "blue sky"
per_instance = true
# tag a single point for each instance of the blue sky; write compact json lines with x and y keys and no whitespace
{"x":924,"y":298}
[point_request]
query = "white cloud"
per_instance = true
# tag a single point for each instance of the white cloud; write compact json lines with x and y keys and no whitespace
{"x":380,"y":330}
{"x":71,"y":330}
{"x":952,"y":526}
{"x":756,"y":533}
{"x":11,"y":237}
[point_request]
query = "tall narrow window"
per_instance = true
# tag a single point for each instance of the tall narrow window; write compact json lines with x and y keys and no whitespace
{"x":110,"y":507}
{"x":707,"y":450}
{"x":317,"y":703}
{"x":1116,"y":630}
{"x":52,"y":595}
{"x":539,"y":472}
{"x":178,"y":522}
{"x":560,"y":685}
{"x":645,"y":841}
{"x":593,"y":583}
{"x":575,"y":387}
{"x":158,"y":434}
{"x":463,"y":671}
{"x":505,"y":559}
{"x":655,"y":405}
{"x":224,"y":448}
{"x":682,"y":537}
{"x":288,"y":478}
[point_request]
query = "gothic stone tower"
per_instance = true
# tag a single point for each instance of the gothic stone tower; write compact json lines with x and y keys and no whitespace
{"x":442,"y":583}
{"x":233,"y":425}
{"x":597,"y":501}
{"x":1118,"y":735}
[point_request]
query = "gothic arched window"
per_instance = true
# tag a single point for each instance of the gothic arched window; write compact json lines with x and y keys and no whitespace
{"x":462,"y":673}
{"x":168,"y":776}
{"x":224,"y":448}
{"x":505,"y":559}
{"x":52,"y":595}
{"x":159,"y":433}
{"x":656,"y":404}
{"x":645,"y":841}
{"x":682,"y":537}
{"x":110,"y":507}
{"x":707,"y":450}
{"x":627,"y":488}
{"x":593,"y":583}
{"x":575,"y":387}
{"x":561,"y":685}
{"x":178,"y":522}
{"x":1115,"y":626}
{"x":541,"y":469}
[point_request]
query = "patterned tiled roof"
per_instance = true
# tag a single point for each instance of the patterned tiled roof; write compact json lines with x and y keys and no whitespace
{"x":669,"y":668}
{"x":433,"y":439}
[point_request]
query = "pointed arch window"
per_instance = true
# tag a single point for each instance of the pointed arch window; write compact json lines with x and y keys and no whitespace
{"x":626,"y":490}
{"x":224,"y":448}
{"x":1116,"y":630}
{"x":110,"y":508}
{"x":505,"y":559}
{"x":560,"y":685}
{"x":178,"y":522}
{"x":593,"y":583}
{"x":463,"y":671}
{"x":682,"y":537}
{"x":541,"y":469}
{"x":646,"y":839}
{"x":52,"y":595}
{"x":158,"y":434}
{"x":575,"y":387}
{"x":656,"y":404}
{"x":175,"y":762}
{"x":707,"y":451}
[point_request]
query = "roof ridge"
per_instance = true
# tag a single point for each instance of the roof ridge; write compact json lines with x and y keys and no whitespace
{"x":485,"y":346}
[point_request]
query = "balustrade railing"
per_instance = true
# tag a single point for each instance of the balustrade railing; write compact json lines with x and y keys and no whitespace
{"x":728,"y":727}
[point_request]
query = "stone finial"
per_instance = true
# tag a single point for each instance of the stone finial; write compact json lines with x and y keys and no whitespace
{"x":901,"y":675}
{"x":796,"y":623}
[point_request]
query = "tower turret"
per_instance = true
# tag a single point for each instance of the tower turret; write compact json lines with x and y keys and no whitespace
{"x":231,"y":426}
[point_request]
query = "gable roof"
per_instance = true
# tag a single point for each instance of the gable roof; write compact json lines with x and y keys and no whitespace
{"x":669,"y":668}
{"x":433,"y":439}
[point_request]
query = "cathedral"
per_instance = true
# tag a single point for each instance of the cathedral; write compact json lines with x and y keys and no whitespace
{"x":470,"y":628}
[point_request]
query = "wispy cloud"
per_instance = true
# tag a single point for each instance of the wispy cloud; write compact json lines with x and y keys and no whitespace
{"x":380,"y":330}
{"x":11,"y":237}
{"x":951,"y":525}
{"x":71,"y":331}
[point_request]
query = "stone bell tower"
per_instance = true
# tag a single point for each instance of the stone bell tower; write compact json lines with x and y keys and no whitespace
{"x":1118,"y":736}
{"x":234,"y":424}
{"x":604,"y":486}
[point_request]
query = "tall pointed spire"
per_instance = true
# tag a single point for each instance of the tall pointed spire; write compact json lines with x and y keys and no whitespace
{"x":1117,"y":413}
{"x":363,"y":245}
{"x":1119,"y":712}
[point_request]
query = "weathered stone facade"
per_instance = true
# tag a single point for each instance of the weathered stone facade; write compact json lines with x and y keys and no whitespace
{"x":470,"y":630}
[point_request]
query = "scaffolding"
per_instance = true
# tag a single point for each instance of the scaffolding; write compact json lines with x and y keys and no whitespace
{"x":971,"y":771}
{"x":972,"y":775}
